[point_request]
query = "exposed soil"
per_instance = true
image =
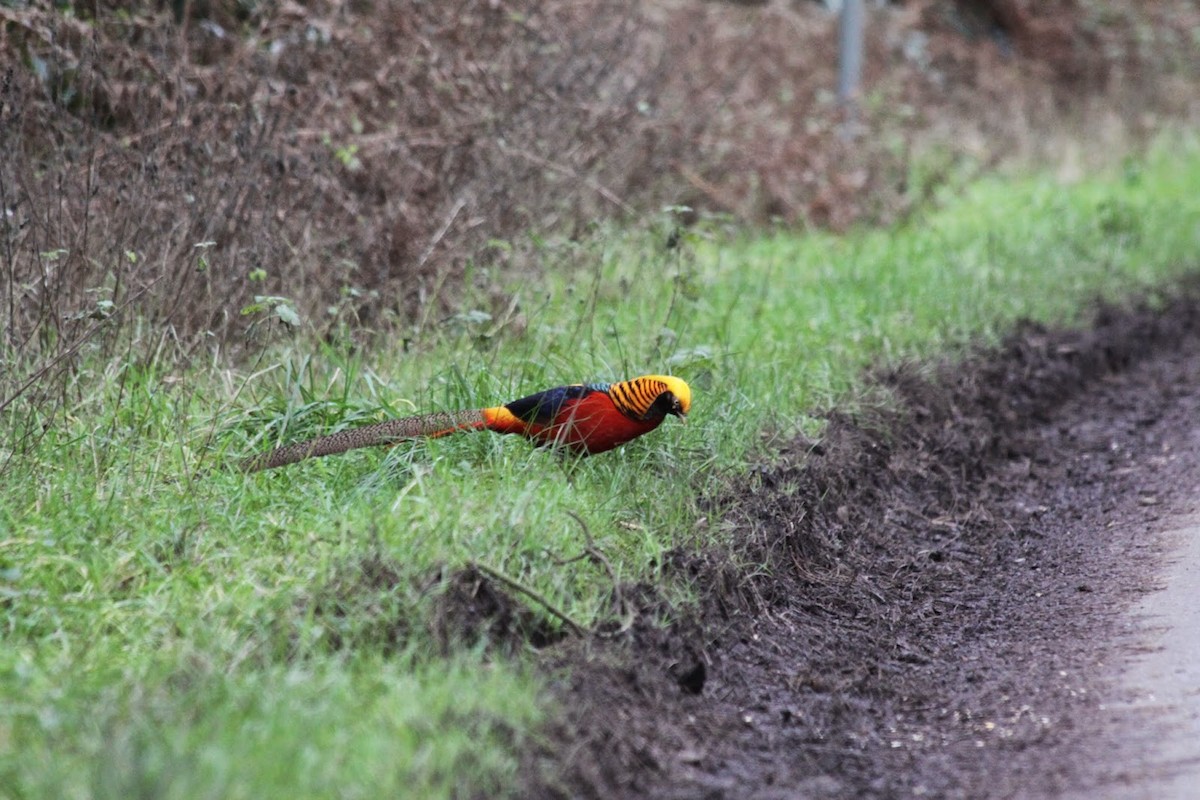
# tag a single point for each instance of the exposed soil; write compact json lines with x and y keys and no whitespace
{"x":932,"y":595}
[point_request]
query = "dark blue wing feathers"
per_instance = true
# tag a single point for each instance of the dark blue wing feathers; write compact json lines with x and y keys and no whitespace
{"x":543,"y":407}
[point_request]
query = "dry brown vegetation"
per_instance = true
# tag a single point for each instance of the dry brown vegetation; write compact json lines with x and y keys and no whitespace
{"x":172,"y":162}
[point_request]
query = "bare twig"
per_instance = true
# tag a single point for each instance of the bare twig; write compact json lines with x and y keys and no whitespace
{"x":437,"y":237}
{"x":516,"y":585}
{"x":79,"y":342}
{"x":628,"y":615}
{"x":586,"y":180}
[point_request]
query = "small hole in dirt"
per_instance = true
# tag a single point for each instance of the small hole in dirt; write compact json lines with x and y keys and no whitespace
{"x":692,"y":680}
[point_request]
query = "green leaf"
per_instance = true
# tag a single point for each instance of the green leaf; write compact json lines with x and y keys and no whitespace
{"x":287,"y":315}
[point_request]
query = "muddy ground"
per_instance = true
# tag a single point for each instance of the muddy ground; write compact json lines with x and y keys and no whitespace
{"x":934,"y":593}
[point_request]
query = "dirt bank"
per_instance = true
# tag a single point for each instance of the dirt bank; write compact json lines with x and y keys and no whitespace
{"x":947,"y":587}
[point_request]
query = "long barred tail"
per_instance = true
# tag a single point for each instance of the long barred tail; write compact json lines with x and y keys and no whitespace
{"x":381,"y":433}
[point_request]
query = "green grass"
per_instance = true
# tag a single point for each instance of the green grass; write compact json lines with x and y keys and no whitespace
{"x":173,"y":634}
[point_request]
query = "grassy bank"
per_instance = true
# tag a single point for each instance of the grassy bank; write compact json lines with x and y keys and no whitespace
{"x":184,"y":633}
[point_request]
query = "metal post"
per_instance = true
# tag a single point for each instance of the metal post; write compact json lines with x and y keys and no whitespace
{"x":851,"y":51}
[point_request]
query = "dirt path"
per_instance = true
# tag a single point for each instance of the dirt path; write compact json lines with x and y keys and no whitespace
{"x":1145,"y":740}
{"x":1153,"y":726}
{"x":1166,"y":678}
{"x":948,"y":596}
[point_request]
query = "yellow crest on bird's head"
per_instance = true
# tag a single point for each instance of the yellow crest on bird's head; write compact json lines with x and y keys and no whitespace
{"x":637,"y":396}
{"x":677,"y":387}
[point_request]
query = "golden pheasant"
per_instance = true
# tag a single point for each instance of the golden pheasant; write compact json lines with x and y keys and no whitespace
{"x":584,"y":418}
